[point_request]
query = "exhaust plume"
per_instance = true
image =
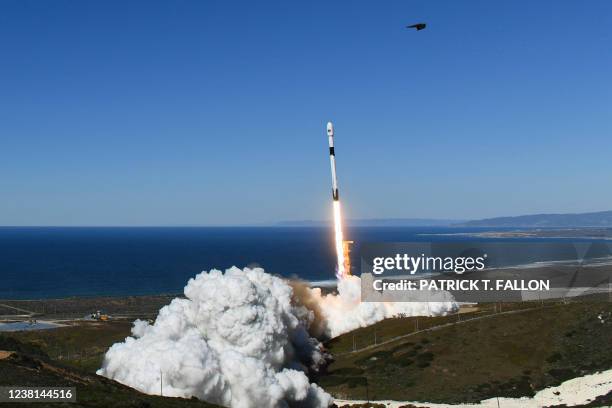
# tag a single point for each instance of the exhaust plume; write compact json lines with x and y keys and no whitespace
{"x":340,"y":313}
{"x":341,"y":271}
{"x":235,"y":340}
{"x":242,"y":339}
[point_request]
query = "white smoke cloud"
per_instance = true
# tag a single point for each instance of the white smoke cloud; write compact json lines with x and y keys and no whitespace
{"x":241,"y":339}
{"x":232,"y":341}
{"x":345,"y":311}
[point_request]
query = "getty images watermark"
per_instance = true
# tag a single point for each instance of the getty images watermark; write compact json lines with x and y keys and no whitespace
{"x":485,"y":271}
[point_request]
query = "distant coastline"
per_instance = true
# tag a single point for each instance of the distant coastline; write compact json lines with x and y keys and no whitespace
{"x":554,"y":233}
{"x":592,"y":219}
{"x":600,"y":219}
{"x":376,"y":222}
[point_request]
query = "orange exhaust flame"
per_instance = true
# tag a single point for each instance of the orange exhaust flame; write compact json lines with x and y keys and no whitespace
{"x":343,"y":267}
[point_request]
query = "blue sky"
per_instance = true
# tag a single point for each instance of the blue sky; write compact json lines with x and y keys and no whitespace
{"x":214,"y":112}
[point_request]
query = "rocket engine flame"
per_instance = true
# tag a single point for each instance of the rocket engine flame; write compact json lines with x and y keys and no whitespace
{"x":343,"y":267}
{"x":341,"y":271}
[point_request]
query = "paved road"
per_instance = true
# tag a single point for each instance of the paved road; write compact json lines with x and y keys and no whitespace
{"x":27,"y":313}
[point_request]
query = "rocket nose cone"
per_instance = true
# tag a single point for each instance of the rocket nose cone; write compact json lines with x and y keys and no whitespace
{"x":330,"y":129}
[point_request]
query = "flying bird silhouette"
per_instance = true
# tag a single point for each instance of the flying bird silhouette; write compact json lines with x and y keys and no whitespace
{"x":418,"y":26}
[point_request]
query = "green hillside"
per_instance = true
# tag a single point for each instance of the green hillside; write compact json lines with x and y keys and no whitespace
{"x":509,"y":354}
{"x":26,"y":364}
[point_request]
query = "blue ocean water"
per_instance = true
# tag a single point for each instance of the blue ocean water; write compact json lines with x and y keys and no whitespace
{"x":47,"y":262}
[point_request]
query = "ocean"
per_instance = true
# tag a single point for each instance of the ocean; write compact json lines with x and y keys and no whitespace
{"x":50,"y":262}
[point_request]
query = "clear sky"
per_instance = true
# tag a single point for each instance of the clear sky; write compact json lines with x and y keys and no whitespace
{"x":214,"y":112}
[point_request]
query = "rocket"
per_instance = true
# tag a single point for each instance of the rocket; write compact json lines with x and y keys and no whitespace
{"x":332,"y":160}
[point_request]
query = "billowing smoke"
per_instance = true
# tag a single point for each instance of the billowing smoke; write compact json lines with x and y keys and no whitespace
{"x":340,"y":313}
{"x":236,"y":340}
{"x":241,"y":339}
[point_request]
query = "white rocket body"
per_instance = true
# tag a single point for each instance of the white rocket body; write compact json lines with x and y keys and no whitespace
{"x":332,"y":160}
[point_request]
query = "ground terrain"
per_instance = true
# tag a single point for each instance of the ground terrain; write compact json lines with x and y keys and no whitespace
{"x":509,"y":354}
{"x":26,"y":364}
{"x":510,"y":349}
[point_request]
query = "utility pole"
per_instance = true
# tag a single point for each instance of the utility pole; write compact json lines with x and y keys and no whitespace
{"x":161,"y":383}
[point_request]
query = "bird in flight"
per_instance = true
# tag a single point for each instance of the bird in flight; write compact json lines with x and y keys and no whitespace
{"x":418,"y":26}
